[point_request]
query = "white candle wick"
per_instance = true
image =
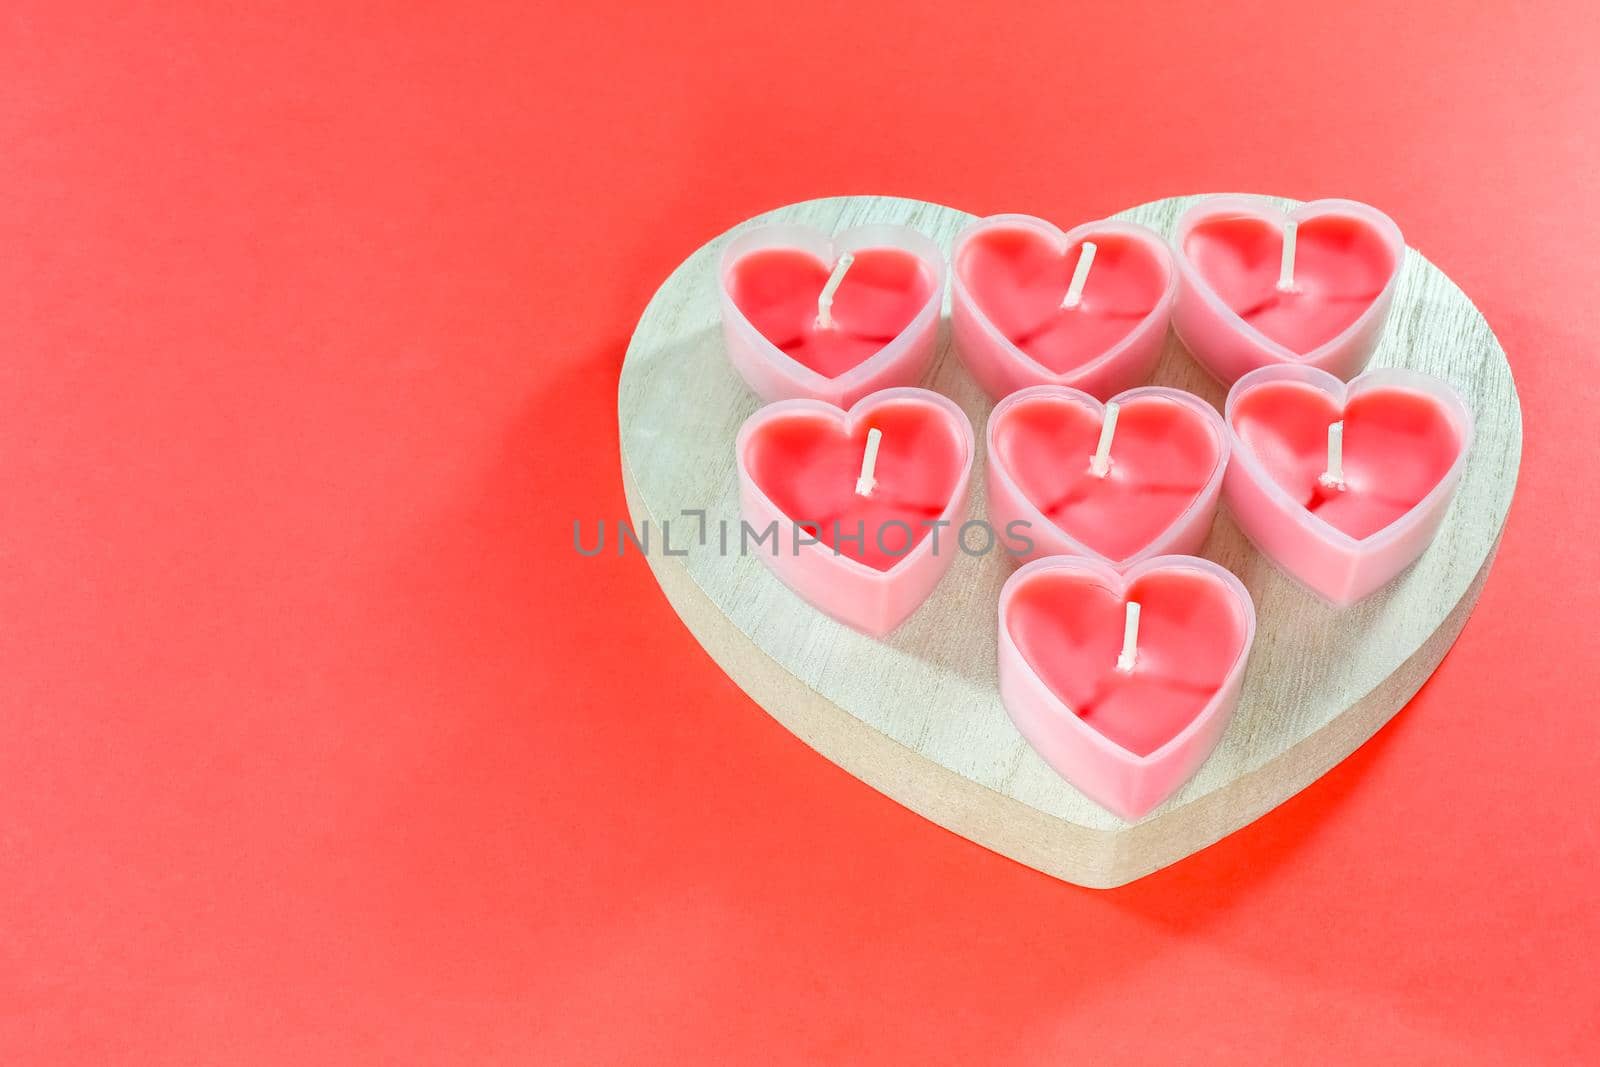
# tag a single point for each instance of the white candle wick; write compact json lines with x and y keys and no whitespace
{"x":866,"y":482}
{"x":1333,"y":477}
{"x":1100,"y":462}
{"x":1130,"y":638}
{"x":1291,"y":233}
{"x":825,"y":301}
{"x":1080,"y":276}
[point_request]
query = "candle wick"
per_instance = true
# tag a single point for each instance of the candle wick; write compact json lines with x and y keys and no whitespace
{"x":825,"y":301}
{"x":869,"y":462}
{"x":1130,"y":638}
{"x":1100,"y":462}
{"x":1333,"y":477}
{"x":1291,"y":233}
{"x":1080,"y":276}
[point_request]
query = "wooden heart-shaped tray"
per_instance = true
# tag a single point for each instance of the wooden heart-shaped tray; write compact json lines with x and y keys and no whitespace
{"x":918,"y":716}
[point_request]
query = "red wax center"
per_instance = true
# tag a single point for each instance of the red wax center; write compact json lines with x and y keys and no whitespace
{"x":1019,"y":277}
{"x":1341,"y":265}
{"x":1069,"y":628}
{"x":777,"y":290}
{"x":1398,"y":444}
{"x":1162,"y":456}
{"x":808,"y":464}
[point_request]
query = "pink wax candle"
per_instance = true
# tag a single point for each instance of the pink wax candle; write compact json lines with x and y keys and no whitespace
{"x":1261,"y":287}
{"x":1137,"y":477}
{"x":831,"y":319}
{"x":1031,"y":305}
{"x":1343,"y":486}
{"x":858,"y":499}
{"x":1123,"y":682}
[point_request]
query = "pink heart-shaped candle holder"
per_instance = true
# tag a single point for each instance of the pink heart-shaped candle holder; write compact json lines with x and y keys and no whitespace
{"x":1158,"y":495}
{"x":1232,"y":314}
{"x":1127,"y":732}
{"x":868,"y":559}
{"x":1404,"y":440}
{"x":884,"y":311}
{"x":1011,"y":275}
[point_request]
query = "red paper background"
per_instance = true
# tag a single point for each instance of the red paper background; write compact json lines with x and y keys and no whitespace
{"x":319,"y":745}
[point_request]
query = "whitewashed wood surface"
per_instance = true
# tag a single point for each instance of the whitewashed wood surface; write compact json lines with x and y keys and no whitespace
{"x":918,"y":716}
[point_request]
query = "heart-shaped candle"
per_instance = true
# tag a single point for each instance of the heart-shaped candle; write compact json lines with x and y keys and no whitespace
{"x":859,"y":499}
{"x":1261,"y":287}
{"x":1123,"y":682}
{"x":1120,"y":482}
{"x":805,"y":315}
{"x":1343,"y":486}
{"x":1031,"y":305}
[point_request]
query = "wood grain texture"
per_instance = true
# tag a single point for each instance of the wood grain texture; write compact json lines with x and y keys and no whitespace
{"x":918,"y":716}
